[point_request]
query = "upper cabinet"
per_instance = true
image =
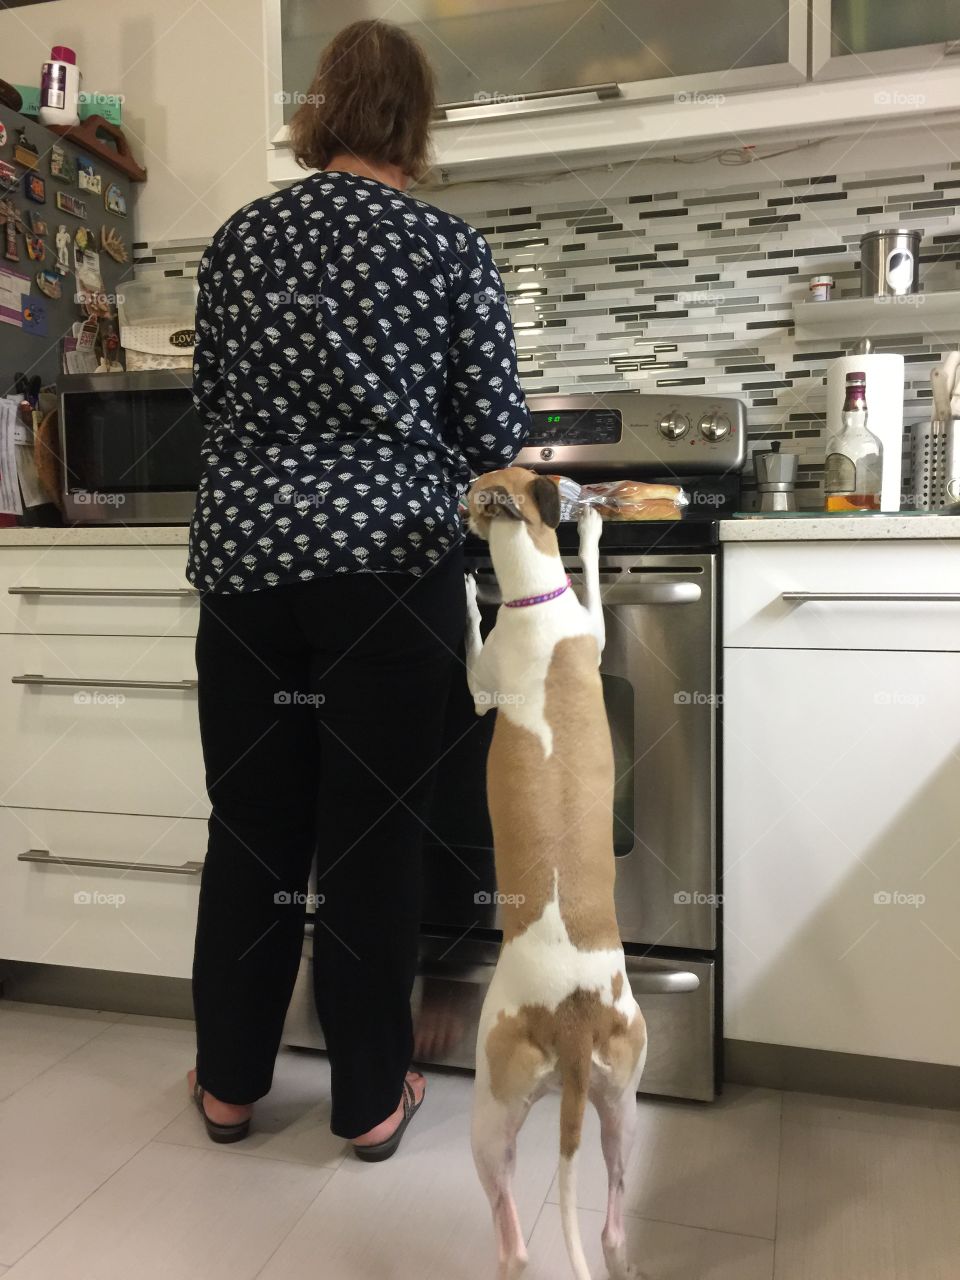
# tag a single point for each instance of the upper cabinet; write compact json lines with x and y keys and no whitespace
{"x":501,"y":56}
{"x":865,"y":37}
{"x":530,"y":86}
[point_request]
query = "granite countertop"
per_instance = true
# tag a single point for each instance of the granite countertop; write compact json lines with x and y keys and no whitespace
{"x":823,"y":528}
{"x":810,"y":528}
{"x":111,"y":535}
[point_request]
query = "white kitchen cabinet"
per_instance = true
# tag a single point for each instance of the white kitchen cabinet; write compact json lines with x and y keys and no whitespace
{"x":858,"y":38}
{"x":104,"y":723}
{"x":104,"y":590}
{"x":135,"y":912}
{"x":841,"y":840}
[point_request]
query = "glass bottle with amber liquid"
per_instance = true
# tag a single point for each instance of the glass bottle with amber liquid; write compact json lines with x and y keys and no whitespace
{"x":853,"y":467}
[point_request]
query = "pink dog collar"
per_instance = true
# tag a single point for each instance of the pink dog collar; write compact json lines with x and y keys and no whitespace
{"x":528,"y":600}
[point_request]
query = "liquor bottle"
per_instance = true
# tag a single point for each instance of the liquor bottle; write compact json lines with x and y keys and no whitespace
{"x":853,"y":469}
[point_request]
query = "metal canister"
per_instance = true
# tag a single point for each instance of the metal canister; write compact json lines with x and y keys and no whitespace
{"x":890,"y":263}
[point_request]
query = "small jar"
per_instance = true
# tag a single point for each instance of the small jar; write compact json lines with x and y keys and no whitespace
{"x":820,"y":287}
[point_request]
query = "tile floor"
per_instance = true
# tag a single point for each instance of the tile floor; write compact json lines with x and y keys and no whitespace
{"x":105,"y":1172}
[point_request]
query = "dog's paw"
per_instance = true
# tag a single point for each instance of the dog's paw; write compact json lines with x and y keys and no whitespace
{"x":590,"y":526}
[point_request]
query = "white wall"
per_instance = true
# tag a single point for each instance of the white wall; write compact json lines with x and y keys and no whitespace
{"x":193,"y":77}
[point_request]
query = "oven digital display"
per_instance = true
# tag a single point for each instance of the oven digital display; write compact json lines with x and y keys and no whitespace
{"x":575,"y":426}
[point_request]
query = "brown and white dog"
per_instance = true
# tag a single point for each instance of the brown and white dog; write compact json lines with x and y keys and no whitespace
{"x":559,"y":1012}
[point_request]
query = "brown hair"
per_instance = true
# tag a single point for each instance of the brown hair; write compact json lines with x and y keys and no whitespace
{"x":372,"y":95}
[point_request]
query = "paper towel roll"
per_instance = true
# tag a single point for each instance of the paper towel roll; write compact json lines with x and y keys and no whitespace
{"x":884,"y":412}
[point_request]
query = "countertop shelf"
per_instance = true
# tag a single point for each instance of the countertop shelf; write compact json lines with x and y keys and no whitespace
{"x":928,"y":313}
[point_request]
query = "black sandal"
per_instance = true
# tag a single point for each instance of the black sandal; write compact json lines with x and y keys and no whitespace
{"x":219,"y":1132}
{"x":384,"y":1150}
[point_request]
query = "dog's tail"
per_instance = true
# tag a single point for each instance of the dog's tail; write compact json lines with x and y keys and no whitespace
{"x":575,"y":1078}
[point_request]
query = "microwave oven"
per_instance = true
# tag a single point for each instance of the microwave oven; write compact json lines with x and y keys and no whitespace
{"x":130,"y":447}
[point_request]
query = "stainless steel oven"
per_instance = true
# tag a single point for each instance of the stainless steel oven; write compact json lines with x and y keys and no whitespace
{"x":661,"y":681}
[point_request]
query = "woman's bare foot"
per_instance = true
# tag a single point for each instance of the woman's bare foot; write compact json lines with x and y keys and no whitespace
{"x":217,"y":1111}
{"x":382,"y":1131}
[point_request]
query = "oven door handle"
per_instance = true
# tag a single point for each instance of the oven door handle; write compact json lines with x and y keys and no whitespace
{"x":661,"y":982}
{"x":618,"y":591}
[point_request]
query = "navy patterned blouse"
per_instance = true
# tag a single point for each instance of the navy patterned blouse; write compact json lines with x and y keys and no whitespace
{"x":355,"y":363}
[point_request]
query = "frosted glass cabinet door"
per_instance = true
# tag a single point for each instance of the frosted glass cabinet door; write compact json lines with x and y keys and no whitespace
{"x":867,"y":37}
{"x":492,"y":51}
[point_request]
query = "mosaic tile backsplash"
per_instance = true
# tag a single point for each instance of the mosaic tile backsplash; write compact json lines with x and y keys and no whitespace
{"x":693,"y":289}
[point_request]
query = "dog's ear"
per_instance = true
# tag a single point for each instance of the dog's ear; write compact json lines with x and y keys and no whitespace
{"x":497,"y":500}
{"x":545,"y":493}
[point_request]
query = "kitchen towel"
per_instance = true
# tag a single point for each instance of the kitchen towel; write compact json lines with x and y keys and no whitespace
{"x":884,"y":412}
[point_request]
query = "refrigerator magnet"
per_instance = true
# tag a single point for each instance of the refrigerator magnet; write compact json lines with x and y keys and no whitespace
{"x":61,"y":165}
{"x":111,"y":241}
{"x":70,"y":204}
{"x":37,"y":224}
{"x":115,"y":202}
{"x":36,"y":249}
{"x":34,"y":188}
{"x":49,"y":284}
{"x":87,"y":177}
{"x":3,"y":134}
{"x":64,"y":241}
{"x":8,"y":175}
{"x":25,"y":152}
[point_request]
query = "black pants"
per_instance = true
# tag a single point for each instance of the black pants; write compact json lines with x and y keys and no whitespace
{"x":321,"y":716}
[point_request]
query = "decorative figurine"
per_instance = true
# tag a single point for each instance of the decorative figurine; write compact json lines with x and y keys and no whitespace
{"x":114,"y":200}
{"x":70,"y":204}
{"x":34,"y":188}
{"x":111,"y":242}
{"x":87,"y":177}
{"x":64,"y":242}
{"x":25,"y":152}
{"x":61,"y":165}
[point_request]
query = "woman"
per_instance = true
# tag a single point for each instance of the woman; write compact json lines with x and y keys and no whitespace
{"x":355,"y":362}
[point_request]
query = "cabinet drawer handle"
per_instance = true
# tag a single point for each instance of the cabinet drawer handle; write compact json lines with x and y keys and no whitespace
{"x":73,"y":682}
{"x":800,"y":597}
{"x":141,"y":593}
{"x":47,"y":858}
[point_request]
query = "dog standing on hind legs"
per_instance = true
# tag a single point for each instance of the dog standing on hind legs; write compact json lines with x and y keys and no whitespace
{"x":559,"y":1013}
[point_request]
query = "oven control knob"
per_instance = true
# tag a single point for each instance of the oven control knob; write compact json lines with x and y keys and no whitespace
{"x":674,"y":426}
{"x":714,"y":426}
{"x":546,"y":455}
